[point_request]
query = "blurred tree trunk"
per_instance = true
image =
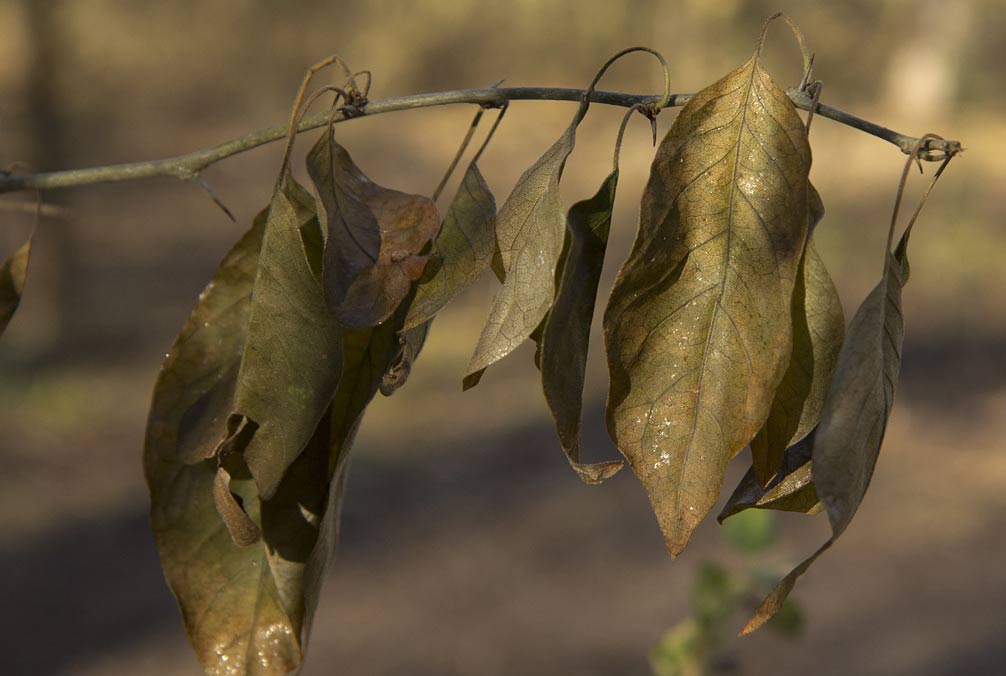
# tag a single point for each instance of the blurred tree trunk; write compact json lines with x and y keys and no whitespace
{"x":57,"y":257}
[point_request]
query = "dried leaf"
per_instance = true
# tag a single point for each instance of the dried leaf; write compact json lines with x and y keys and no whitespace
{"x":847,"y":441}
{"x":698,"y":327}
{"x":818,"y":330}
{"x":566,"y":331}
{"x":791,"y":490}
{"x":292,"y":357}
{"x":375,"y":237}
{"x":530,"y":228}
{"x":12,"y":276}
{"x":462,"y":249}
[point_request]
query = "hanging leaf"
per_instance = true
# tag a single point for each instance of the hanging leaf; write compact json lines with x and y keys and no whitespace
{"x":530,"y":228}
{"x":818,"y":330}
{"x":698,"y":327}
{"x":292,"y":356}
{"x":566,"y":331}
{"x":462,"y":249}
{"x":847,"y":441}
{"x":791,"y":490}
{"x":12,"y":276}
{"x":375,"y":236}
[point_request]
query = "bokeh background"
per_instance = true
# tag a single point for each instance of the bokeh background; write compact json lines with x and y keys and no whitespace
{"x":469,"y":546}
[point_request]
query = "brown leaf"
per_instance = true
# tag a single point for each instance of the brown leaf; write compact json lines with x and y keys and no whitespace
{"x":12,"y":276}
{"x":530,"y":228}
{"x":566,"y":331}
{"x":847,"y":441}
{"x":462,"y":249}
{"x":698,"y":327}
{"x":791,"y":490}
{"x":375,"y":237}
{"x":818,"y":330}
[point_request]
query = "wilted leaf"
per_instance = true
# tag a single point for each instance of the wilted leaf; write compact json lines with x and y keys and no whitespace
{"x":12,"y":276}
{"x":818,"y":330}
{"x":792,"y":489}
{"x":847,"y":441}
{"x":292,"y":356}
{"x":566,"y":332}
{"x":462,"y":249}
{"x":698,"y":327}
{"x":375,"y":236}
{"x":530,"y":228}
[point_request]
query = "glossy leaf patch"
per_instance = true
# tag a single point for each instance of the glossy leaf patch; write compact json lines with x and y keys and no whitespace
{"x":818,"y":330}
{"x":530,"y":228}
{"x":698,"y":327}
{"x":12,"y":275}
{"x":847,"y":441}
{"x":566,"y":333}
{"x":375,"y":237}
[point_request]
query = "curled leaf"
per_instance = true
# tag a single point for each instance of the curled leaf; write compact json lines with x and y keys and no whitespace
{"x":698,"y":327}
{"x":818,"y":330}
{"x":375,"y":237}
{"x":462,"y":249}
{"x":292,"y":356}
{"x":566,"y":331}
{"x":12,"y":276}
{"x":791,"y":490}
{"x":848,"y":438}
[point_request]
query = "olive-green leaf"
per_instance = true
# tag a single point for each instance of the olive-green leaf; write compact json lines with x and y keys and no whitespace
{"x":462,"y":249}
{"x":792,"y":489}
{"x":566,"y":332}
{"x":229,"y":599}
{"x":848,"y":438}
{"x":12,"y":276}
{"x":375,"y":237}
{"x":698,"y":327}
{"x":530,"y":228}
{"x":818,"y":330}
{"x":292,"y":356}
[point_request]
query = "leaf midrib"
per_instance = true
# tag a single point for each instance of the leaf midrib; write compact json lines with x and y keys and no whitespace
{"x":716,"y":306}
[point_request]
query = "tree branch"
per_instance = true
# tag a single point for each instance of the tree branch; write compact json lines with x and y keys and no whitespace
{"x":188,"y":166}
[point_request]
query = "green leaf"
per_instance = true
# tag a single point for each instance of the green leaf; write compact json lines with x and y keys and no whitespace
{"x":566,"y":332}
{"x":530,"y":228}
{"x":847,"y":441}
{"x":462,"y":249}
{"x":12,"y":276}
{"x":792,"y":489}
{"x":292,"y":357}
{"x":375,"y":236}
{"x":751,"y":531}
{"x":818,"y":330}
{"x":698,"y":327}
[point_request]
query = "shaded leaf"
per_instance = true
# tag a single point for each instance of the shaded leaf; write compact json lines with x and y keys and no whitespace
{"x":847,"y":441}
{"x":12,"y":276}
{"x":791,"y":490}
{"x":530,"y":228}
{"x":565,"y":333}
{"x":375,"y":236}
{"x":698,"y":327}
{"x":462,"y":249}
{"x":292,"y":357}
{"x":818,"y":330}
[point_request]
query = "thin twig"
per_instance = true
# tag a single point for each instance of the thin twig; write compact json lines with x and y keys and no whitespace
{"x":189,"y":165}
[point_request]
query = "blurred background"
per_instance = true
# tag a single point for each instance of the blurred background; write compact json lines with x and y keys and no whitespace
{"x":469,"y":547}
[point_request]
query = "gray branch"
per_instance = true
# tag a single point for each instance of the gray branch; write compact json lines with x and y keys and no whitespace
{"x":188,"y":166}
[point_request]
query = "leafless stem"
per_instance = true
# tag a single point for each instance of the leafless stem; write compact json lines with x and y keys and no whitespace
{"x":189,"y":165}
